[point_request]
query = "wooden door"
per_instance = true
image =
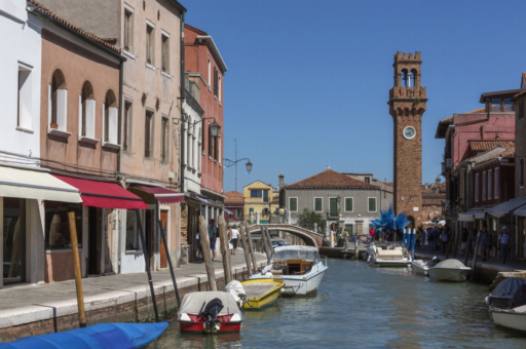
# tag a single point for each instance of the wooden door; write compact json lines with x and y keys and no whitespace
{"x":164,"y":226}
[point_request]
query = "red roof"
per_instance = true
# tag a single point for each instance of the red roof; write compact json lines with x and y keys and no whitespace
{"x":330,"y":179}
{"x":477,"y":146}
{"x":234,"y":198}
{"x":104,"y":194}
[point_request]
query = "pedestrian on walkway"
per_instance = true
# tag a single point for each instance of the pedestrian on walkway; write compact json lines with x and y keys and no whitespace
{"x":504,"y":244}
{"x":444,"y":238}
{"x":484,"y":242}
{"x":235,"y":237}
{"x":212,"y":236}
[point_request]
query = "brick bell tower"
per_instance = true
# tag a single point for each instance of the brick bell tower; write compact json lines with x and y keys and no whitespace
{"x":407,"y":104}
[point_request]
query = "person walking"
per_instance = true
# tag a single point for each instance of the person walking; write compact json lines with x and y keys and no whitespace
{"x":484,"y":242}
{"x":234,"y":238}
{"x":504,"y":244}
{"x":444,"y":238}
{"x":212,"y":236}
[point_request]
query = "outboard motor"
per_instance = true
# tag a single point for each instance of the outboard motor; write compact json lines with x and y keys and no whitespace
{"x":210,"y":312}
{"x":434,"y":261}
{"x":236,"y":290}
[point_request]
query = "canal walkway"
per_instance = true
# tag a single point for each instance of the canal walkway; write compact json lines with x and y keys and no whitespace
{"x":33,"y":305}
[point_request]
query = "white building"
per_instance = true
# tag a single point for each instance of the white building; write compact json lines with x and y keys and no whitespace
{"x":23,"y":186}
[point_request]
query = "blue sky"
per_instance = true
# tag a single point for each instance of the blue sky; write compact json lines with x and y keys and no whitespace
{"x":308,"y":80}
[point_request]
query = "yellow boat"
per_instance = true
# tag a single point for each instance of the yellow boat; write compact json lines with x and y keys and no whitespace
{"x":261,"y":292}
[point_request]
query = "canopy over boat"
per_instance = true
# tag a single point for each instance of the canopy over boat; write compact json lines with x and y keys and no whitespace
{"x":451,"y":263}
{"x":509,"y":293}
{"x":194,"y":302}
{"x":308,"y":253}
{"x":101,"y":336}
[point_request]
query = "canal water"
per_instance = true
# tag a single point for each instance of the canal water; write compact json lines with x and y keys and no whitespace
{"x":362,"y":307}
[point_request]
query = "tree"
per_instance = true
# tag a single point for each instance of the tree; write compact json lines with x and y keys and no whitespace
{"x":307,"y":219}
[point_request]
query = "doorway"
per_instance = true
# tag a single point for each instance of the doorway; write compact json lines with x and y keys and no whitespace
{"x":94,"y":241}
{"x":14,"y":241}
{"x":164,"y":227}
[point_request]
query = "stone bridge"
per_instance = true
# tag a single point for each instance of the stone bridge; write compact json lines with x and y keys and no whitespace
{"x":311,"y":238}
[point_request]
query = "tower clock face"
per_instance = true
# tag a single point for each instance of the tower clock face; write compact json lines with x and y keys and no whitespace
{"x":409,"y":132}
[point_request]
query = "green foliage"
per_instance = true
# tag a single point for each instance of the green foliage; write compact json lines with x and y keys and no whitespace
{"x":307,"y":219}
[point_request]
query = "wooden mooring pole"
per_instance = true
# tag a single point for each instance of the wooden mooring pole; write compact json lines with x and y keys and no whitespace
{"x":146,"y":254}
{"x":162,"y":231}
{"x":246,"y":252}
{"x":251,"y":249}
{"x":205,"y":246}
{"x":76,"y":268}
{"x":225,"y":251}
{"x":267,"y":245}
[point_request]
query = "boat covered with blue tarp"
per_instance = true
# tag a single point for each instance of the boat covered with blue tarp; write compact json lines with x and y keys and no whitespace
{"x":100,"y":336}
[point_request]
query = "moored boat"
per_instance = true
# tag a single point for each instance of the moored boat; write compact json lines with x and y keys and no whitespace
{"x":299,"y":267}
{"x":421,"y":267}
{"x":388,"y":255}
{"x":449,"y":270}
{"x":100,"y":336}
{"x":507,"y":303}
{"x":209,"y":312}
{"x":261,"y":293}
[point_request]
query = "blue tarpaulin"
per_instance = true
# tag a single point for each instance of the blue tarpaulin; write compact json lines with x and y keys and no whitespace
{"x":101,"y":336}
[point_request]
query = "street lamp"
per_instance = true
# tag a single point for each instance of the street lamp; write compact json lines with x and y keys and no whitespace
{"x":229,"y":163}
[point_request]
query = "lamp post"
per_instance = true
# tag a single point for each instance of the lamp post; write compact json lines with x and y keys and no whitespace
{"x":235,"y":161}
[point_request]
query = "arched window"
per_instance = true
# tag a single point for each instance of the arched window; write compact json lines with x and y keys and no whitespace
{"x":414,"y":77}
{"x":87,"y":111}
{"x":58,"y":102}
{"x":110,"y":118}
{"x":404,"y":77}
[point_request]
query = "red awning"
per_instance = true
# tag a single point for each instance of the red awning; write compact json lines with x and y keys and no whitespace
{"x":162,"y":195}
{"x":104,"y":194}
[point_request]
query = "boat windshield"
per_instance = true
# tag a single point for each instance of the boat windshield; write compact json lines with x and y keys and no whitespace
{"x":307,"y":253}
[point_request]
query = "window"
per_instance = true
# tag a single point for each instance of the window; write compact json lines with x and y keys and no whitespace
{"x":371,"y":205}
{"x":128,"y":30}
{"x":348,"y":204}
{"x":216,"y":82}
{"x":148,"y":134}
{"x":484,"y":186}
{"x":349,"y":228}
{"x":256,"y":193}
{"x":497,"y":182}
{"x":57,"y":224}
{"x":490,"y":184}
{"x":164,"y":139}
{"x":127,"y":121}
{"x":209,"y":74}
{"x":149,"y":44}
{"x":318,"y":204}
{"x":24,"y":96}
{"x":213,"y":144}
{"x":293,"y":204}
{"x":111,"y":121}
{"x":165,"y":53}
{"x":333,"y":207}
{"x":265,"y":195}
{"x":477,"y":187}
{"x":133,"y":242}
{"x":58,"y":102}
{"x":220,"y":89}
{"x":507,"y":104}
{"x":14,"y":240}
{"x":521,"y":173}
{"x":87,"y":112}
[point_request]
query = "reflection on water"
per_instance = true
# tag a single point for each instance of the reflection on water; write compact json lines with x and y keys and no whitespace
{"x":362,"y":307}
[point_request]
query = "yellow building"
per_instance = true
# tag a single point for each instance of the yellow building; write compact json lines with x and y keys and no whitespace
{"x":261,"y":200}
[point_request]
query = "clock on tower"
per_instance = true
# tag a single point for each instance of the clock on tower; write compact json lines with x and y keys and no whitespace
{"x":407,"y":104}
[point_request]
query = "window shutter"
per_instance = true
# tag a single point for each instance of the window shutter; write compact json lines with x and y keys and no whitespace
{"x":80,"y":117}
{"x":90,"y":118}
{"x":62,"y":109}
{"x":112,"y":124}
{"x":49,"y":104}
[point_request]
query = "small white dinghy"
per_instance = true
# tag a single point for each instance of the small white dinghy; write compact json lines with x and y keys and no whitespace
{"x":507,"y":304}
{"x":449,"y":270}
{"x":392,"y":255}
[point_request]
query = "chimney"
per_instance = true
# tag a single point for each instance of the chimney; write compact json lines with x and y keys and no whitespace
{"x":281,"y":181}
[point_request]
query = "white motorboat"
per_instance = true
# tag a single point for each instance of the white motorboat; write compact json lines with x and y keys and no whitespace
{"x":388,"y":255}
{"x":507,"y":304}
{"x":299,"y":267}
{"x":421,"y":267}
{"x":449,"y":270}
